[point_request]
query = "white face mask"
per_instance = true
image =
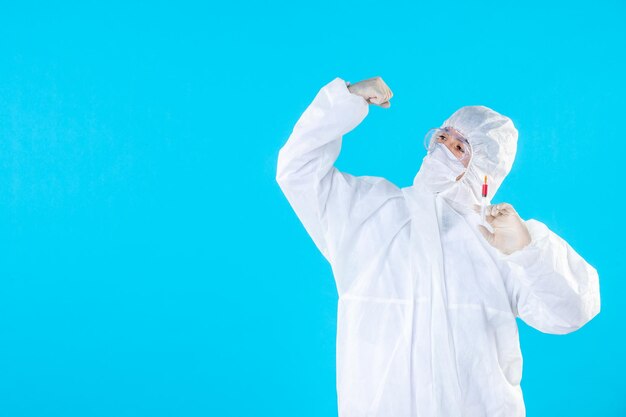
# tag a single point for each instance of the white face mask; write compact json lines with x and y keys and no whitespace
{"x":439,"y":170}
{"x":438,"y":173}
{"x":443,"y":155}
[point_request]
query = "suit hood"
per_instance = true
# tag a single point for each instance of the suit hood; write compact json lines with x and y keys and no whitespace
{"x":493,"y":139}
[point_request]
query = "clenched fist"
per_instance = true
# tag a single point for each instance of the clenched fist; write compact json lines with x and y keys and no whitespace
{"x":373,"y":90}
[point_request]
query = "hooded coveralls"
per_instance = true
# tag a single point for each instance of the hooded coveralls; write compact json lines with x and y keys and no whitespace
{"x":426,"y":313}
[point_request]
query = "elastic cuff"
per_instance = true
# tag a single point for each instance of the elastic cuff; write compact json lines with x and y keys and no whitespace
{"x":338,"y":90}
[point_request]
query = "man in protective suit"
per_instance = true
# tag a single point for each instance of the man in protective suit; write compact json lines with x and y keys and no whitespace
{"x":429,"y":288}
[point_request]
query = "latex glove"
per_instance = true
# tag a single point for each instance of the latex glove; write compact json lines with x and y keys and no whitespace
{"x":509,"y":231}
{"x":373,"y":90}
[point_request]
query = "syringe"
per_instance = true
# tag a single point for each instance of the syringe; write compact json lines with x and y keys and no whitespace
{"x":483,"y":206}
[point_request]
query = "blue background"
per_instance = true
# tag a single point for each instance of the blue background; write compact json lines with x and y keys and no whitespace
{"x":150,"y":265}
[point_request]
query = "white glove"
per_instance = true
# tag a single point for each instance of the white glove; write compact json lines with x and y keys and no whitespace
{"x":509,"y":231}
{"x":373,"y":90}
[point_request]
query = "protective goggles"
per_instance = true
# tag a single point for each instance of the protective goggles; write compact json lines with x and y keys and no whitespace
{"x":458,"y":145}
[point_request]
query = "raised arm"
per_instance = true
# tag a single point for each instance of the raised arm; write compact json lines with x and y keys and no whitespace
{"x":321,"y":195}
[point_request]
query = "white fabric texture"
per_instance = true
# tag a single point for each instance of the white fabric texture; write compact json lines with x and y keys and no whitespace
{"x":426,"y":313}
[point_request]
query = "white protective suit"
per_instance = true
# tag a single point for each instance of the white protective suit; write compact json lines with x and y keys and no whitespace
{"x":426,"y":315}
